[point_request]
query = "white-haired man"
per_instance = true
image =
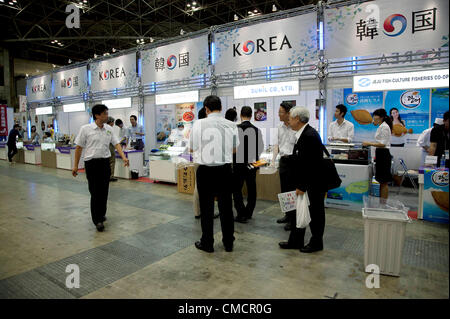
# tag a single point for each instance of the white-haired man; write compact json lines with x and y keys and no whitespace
{"x":304,"y":163}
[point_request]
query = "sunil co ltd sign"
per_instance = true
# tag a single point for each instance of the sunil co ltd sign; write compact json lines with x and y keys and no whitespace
{"x":264,"y":90}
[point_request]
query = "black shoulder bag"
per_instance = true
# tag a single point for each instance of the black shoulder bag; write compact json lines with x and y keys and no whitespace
{"x":329,"y":174}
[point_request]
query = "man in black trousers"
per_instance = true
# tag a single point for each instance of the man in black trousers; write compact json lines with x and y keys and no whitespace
{"x":95,"y":139}
{"x":250,"y":148}
{"x":12,"y":147}
{"x":304,"y":163}
{"x":213,"y":141}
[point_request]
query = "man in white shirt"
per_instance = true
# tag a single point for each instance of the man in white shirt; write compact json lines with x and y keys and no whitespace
{"x":341,"y":130}
{"x":285,"y":145}
{"x":136,"y":134}
{"x":121,"y":132}
{"x":96,"y":138}
{"x":213,"y":141}
{"x":424,"y":139}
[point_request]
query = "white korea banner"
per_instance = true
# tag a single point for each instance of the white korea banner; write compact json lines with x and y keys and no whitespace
{"x":71,"y":82}
{"x":39,"y":88}
{"x":385,"y":26}
{"x":178,"y":61}
{"x":401,"y":81}
{"x":284,"y":42}
{"x":119,"y":72}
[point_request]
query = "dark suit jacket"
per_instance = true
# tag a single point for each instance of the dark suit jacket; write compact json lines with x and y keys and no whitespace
{"x":251,"y":144}
{"x":306,"y":160}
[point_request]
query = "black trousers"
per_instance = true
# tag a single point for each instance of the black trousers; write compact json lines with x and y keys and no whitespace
{"x":12,"y":150}
{"x":286,"y":183}
{"x":242,"y":174}
{"x":98,"y":172}
{"x":214,"y":181}
{"x":317,"y":224}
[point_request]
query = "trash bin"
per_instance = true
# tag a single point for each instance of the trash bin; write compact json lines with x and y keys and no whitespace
{"x":134,"y":174}
{"x":384,"y":233}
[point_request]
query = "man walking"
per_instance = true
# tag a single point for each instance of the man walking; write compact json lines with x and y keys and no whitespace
{"x":213,"y":142}
{"x":95,"y":139}
{"x":12,"y":147}
{"x":251,"y":146}
{"x":112,"y":149}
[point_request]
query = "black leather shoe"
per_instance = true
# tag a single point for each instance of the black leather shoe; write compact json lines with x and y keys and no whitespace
{"x":228,"y":248}
{"x":310,"y":249}
{"x":288,"y":227}
{"x":240,"y":219}
{"x":197,"y":217}
{"x":100,"y":227}
{"x":199,"y":245}
{"x":104,"y":219}
{"x":113,"y":179}
{"x":283,"y":220}
{"x":287,"y":245}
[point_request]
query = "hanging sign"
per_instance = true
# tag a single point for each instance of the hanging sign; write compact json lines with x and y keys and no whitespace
{"x":3,"y":120}
{"x":399,"y":81}
{"x":114,"y":73}
{"x":39,"y":88}
{"x":71,"y":82}
{"x":384,"y":26}
{"x":284,"y":42}
{"x":264,"y":90}
{"x":179,"y":97}
{"x":182,"y":60}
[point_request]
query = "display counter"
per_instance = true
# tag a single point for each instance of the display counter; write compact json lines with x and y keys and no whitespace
{"x":20,"y":156}
{"x":65,"y":157}
{"x":48,"y":155}
{"x":3,"y":151}
{"x":354,"y":169}
{"x":163,"y":164}
{"x":32,"y":154}
{"x":136,"y":159}
{"x":433,"y":194}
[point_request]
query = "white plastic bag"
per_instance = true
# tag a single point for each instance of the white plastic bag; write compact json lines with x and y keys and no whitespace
{"x":303,"y":217}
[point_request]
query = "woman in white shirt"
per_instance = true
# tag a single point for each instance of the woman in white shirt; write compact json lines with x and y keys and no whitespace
{"x":383,"y":157}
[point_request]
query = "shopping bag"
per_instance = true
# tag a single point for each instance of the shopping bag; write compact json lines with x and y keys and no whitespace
{"x":303,"y":217}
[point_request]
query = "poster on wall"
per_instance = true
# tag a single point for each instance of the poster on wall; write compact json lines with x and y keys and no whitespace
{"x":181,"y":60}
{"x":165,"y":122}
{"x":435,"y":196}
{"x":360,"y":108}
{"x":71,"y":82}
{"x":384,"y":26}
{"x":22,"y":103}
{"x":413,"y":107}
{"x":185,"y":116}
{"x":3,"y":120}
{"x":39,"y":88}
{"x":260,"y":110}
{"x":439,"y":103}
{"x":285,"y":42}
{"x":114,"y":73}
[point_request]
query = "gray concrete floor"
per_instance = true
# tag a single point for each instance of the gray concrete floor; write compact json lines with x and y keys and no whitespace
{"x":147,"y":250}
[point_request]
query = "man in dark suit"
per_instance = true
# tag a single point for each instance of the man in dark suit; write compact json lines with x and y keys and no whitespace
{"x":304,"y":163}
{"x":250,"y":148}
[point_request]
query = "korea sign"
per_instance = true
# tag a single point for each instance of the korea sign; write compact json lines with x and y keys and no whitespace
{"x":385,"y":26}
{"x":264,"y":90}
{"x":401,"y":81}
{"x":178,"y":61}
{"x":71,"y":82}
{"x":39,"y":88}
{"x":286,"y":42}
{"x":119,"y":72}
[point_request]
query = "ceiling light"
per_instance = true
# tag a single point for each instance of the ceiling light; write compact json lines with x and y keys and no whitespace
{"x":274,"y":8}
{"x":249,"y":12}
{"x":14,"y":1}
{"x":151,"y":39}
{"x":194,"y":3}
{"x":255,"y":11}
{"x":95,"y":56}
{"x":113,"y":50}
{"x":70,"y":61}
{"x":54,"y":65}
{"x":236,"y":17}
{"x":85,"y":1}
{"x":10,"y":3}
{"x":188,"y":5}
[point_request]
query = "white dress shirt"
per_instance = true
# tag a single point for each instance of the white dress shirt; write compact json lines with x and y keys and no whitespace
{"x":383,"y":135}
{"x":424,"y":140}
{"x":96,"y":140}
{"x":345,"y":130}
{"x":213,"y":139}
{"x":286,"y":140}
{"x":299,"y":133}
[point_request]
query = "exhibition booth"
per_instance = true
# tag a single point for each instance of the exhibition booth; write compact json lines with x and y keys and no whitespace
{"x":304,"y":56}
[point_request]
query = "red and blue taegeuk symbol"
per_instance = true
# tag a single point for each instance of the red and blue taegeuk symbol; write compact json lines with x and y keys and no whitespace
{"x":248,"y":47}
{"x":106,"y":75}
{"x":69,"y":83}
{"x":172,"y":62}
{"x":389,"y":24}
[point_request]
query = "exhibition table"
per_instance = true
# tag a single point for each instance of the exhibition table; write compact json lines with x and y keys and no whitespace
{"x":163,"y":164}
{"x":3,"y":151}
{"x":48,"y":155}
{"x":20,"y":156}
{"x":65,"y":157}
{"x":32,"y":154}
{"x":136,"y":159}
{"x":433,"y":194}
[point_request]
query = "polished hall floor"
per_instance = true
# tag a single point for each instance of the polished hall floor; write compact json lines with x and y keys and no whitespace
{"x":147,"y":249}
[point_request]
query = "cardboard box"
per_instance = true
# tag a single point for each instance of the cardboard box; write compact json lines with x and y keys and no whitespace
{"x":48,"y":159}
{"x":20,"y":156}
{"x":186,"y":179}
